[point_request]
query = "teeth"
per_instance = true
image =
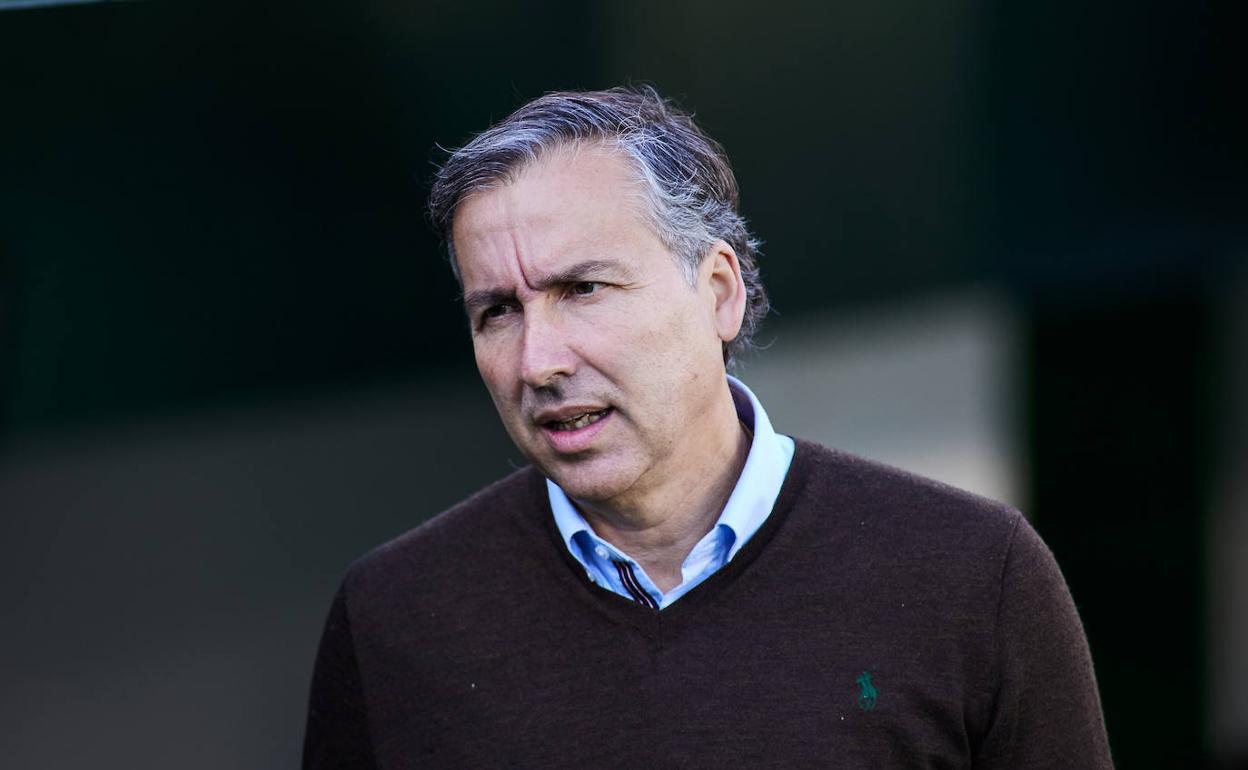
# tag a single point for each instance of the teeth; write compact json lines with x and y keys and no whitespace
{"x":581,"y":421}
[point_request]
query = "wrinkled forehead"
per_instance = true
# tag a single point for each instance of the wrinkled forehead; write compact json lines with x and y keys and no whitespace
{"x":574,"y":203}
{"x":559,"y":163}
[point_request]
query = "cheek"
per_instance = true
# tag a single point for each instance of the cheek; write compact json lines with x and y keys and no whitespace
{"x":683,"y":334}
{"x":493,"y":367}
{"x":663,"y":356}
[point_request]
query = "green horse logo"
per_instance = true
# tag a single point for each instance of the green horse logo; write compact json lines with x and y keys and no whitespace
{"x":867,"y":694}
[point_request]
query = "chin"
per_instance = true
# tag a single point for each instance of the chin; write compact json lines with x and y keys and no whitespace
{"x":585,"y":482}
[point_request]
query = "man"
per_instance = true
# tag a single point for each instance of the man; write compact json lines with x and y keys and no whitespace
{"x":672,"y":583}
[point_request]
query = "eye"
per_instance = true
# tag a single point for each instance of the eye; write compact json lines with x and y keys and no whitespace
{"x":495,"y":312}
{"x":584,"y":288}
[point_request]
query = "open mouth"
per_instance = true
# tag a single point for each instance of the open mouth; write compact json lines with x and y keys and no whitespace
{"x":577,"y":422}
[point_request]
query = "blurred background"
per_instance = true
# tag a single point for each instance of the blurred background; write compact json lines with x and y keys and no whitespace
{"x":1007,"y":245}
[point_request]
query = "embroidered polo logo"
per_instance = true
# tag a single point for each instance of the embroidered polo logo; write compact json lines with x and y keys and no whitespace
{"x":867,"y":694}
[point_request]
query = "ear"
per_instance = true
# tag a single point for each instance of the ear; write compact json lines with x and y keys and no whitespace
{"x":723,"y":276}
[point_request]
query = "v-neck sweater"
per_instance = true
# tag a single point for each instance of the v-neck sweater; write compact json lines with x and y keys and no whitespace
{"x":876,"y":619}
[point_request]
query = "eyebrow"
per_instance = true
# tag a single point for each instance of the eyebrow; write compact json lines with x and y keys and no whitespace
{"x":586,"y":270}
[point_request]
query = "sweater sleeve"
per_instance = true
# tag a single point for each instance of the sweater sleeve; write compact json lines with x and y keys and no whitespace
{"x":1048,"y":711}
{"x":337,"y":730}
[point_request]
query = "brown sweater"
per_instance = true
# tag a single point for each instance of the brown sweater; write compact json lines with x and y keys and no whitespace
{"x":876,"y":620}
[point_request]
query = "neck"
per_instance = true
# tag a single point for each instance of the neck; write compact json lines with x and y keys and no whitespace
{"x":660,"y":526}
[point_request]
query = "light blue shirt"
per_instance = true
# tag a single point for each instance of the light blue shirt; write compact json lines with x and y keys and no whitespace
{"x":747,"y":508}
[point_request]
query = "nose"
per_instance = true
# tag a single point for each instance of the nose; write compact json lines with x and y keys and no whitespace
{"x":545,"y":355}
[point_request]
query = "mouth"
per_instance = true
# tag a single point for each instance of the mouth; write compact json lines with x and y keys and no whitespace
{"x":574,"y":432}
{"x":576,"y":422}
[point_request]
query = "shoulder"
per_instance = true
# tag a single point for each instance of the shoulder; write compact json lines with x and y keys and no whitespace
{"x":958,"y":585}
{"x":473,"y":531}
{"x":895,"y":528}
{"x":881,"y":495}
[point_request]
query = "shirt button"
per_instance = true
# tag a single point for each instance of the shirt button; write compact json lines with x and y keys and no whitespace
{"x":602,"y":552}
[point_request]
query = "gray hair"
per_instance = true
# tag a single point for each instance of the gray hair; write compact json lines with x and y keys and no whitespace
{"x":684,"y":175}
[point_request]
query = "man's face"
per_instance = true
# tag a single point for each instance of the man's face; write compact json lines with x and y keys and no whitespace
{"x":600,"y":356}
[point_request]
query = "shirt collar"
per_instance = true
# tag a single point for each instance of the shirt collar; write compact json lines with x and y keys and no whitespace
{"x":752,"y":498}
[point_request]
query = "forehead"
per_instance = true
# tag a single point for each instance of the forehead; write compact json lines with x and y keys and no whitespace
{"x":576,"y":203}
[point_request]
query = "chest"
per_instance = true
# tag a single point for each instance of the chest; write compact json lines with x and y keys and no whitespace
{"x":783,"y":687}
